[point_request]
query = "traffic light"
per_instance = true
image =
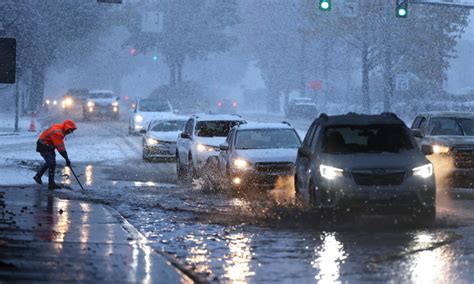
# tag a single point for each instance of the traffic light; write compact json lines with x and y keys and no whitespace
{"x":325,"y":5}
{"x":401,"y":9}
{"x":155,"y":57}
{"x":133,"y":51}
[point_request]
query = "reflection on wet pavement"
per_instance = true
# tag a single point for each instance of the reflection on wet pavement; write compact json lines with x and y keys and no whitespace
{"x":237,"y":263}
{"x":329,"y":256}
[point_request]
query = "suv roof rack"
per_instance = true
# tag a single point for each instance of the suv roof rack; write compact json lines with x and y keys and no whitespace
{"x":286,"y":122}
{"x":323,"y":116}
{"x":389,"y":114}
{"x":238,"y":115}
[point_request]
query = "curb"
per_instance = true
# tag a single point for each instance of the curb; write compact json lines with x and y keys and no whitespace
{"x":172,"y":260}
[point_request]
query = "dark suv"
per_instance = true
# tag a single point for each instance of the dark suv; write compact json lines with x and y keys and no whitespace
{"x":365,"y":163}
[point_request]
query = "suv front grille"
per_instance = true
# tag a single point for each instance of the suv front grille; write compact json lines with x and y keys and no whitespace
{"x":378,"y":177}
{"x":274,"y":167}
{"x":464,"y":157}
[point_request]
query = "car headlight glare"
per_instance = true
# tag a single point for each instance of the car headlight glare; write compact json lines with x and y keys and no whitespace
{"x":204,"y":148}
{"x":330,"y":173}
{"x":151,"y":141}
{"x":47,"y":102}
{"x":440,"y":149}
{"x":425,"y":171}
{"x":115,"y":104}
{"x":138,"y":118}
{"x":241,"y":164}
{"x":90,"y":104}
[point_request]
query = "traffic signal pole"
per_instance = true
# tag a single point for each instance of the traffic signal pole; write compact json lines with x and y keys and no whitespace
{"x":446,"y":3}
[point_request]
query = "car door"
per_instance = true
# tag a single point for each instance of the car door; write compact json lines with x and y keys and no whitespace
{"x":304,"y":154}
{"x":225,"y":156}
{"x":184,"y":144}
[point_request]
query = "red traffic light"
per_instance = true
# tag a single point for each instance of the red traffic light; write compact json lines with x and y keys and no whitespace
{"x":133,"y":51}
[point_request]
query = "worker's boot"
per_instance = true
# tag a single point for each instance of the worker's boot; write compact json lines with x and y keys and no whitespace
{"x":52,"y":183}
{"x":37,"y":179}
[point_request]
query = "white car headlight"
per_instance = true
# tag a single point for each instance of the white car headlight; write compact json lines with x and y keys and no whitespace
{"x":440,"y":149}
{"x":425,"y":171}
{"x":204,"y":148}
{"x":151,"y":141}
{"x":330,"y":172}
{"x":241,"y":164}
{"x":115,"y":104}
{"x":47,"y":102}
{"x":55,"y":102}
{"x":90,"y":104}
{"x":138,"y":118}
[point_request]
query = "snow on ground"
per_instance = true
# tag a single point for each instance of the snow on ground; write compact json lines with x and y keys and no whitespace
{"x":16,"y":176}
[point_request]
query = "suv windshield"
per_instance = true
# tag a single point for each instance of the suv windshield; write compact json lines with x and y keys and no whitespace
{"x":267,"y":139}
{"x":168,"y":126}
{"x":154,"y":106}
{"x":214,"y":128}
{"x":351,"y":139}
{"x":101,"y":96}
{"x":452,"y":126}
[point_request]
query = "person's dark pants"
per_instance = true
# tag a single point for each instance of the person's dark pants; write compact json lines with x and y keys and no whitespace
{"x":50,"y":164}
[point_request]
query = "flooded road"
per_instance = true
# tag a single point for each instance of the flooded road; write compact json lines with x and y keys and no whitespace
{"x":267,"y":237}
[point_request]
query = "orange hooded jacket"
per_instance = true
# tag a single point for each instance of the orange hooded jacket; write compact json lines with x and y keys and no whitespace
{"x":53,"y":137}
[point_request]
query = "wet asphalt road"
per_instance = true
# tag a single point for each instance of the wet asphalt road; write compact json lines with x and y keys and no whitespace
{"x":265,"y":237}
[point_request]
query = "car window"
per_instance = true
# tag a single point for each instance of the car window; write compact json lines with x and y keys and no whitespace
{"x":189,"y":127}
{"x":214,"y":128}
{"x":352,"y":139}
{"x":101,"y":96}
{"x":228,"y":140}
{"x":310,"y":134}
{"x":416,"y":123}
{"x":149,"y":105}
{"x":315,"y":139}
{"x":444,"y":126}
{"x":423,"y":123}
{"x":168,"y":125}
{"x":267,"y":139}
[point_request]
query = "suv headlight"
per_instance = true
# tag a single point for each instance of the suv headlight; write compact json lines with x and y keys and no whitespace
{"x":205,"y":148}
{"x":90,"y":104}
{"x":151,"y":141}
{"x":115,"y":104}
{"x":328,"y":172}
{"x":440,"y":149}
{"x":424,"y":171}
{"x":138,"y":118}
{"x":241,"y":164}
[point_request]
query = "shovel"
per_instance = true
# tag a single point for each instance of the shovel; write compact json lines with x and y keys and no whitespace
{"x":76,"y":178}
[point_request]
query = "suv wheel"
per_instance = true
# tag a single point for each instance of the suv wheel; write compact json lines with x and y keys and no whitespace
{"x":313,"y":198}
{"x":192,"y":173}
{"x":180,"y":170}
{"x":426,"y":216}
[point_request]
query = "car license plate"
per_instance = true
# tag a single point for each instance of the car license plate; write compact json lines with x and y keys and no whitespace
{"x":103,"y":111}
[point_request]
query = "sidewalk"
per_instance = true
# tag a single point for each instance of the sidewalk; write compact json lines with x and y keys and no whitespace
{"x":47,"y":239}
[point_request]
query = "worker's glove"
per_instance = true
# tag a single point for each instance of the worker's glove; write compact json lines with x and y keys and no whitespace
{"x":68,"y":163}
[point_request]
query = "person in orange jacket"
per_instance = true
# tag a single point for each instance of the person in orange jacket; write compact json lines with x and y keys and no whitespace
{"x":49,"y":140}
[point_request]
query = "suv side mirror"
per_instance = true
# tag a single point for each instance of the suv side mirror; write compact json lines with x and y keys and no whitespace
{"x":427,"y":150}
{"x":417,"y":133}
{"x":143,"y":131}
{"x":224,"y":147}
{"x":185,"y":135}
{"x":304,"y":151}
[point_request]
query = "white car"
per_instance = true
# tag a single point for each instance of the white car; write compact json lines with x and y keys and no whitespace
{"x":200,"y":140}
{"x":146,"y":110}
{"x":159,"y":141}
{"x":256,"y":155}
{"x":101,"y":103}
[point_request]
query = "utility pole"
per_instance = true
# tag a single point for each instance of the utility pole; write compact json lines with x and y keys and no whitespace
{"x":388,"y":75}
{"x":17,"y":104}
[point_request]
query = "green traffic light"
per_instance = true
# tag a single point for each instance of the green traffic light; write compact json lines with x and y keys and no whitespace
{"x":402,"y":12}
{"x":325,"y":5}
